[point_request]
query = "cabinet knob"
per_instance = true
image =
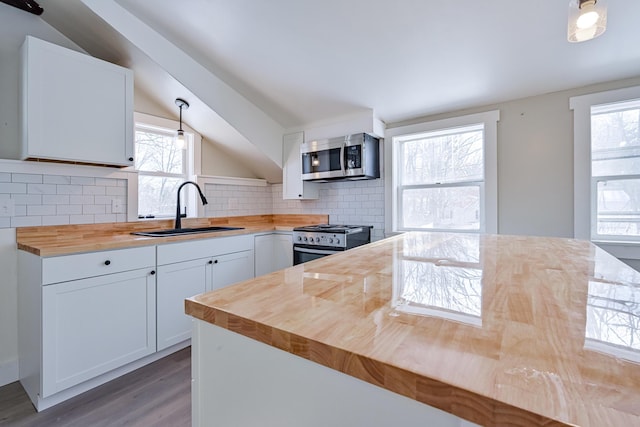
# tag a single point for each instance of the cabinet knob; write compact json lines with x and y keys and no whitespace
{"x":215,"y":262}
{"x":299,"y":195}
{"x":210,"y":261}
{"x":152,"y":272}
{"x":131,"y":159}
{"x":107,"y":262}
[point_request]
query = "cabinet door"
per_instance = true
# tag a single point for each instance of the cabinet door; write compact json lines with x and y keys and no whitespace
{"x":75,"y":107}
{"x":293,"y":187}
{"x":176,"y":282}
{"x":282,"y":251}
{"x":91,"y":326}
{"x":263,"y":252}
{"x":231,"y":268}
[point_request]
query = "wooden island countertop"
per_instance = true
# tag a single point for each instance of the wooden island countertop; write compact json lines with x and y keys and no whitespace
{"x":499,"y":330}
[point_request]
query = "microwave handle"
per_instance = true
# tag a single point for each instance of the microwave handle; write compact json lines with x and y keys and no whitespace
{"x":342,"y":148}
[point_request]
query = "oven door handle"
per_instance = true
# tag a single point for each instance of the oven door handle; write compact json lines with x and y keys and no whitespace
{"x":314,"y":251}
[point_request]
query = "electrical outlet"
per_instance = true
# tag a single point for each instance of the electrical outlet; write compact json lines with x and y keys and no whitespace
{"x":117,"y":206}
{"x":7,"y":207}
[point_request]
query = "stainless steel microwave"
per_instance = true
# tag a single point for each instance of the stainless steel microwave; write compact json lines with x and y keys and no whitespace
{"x":353,"y":157}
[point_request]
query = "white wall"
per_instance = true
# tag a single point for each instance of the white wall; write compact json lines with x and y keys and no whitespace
{"x":218,"y":163}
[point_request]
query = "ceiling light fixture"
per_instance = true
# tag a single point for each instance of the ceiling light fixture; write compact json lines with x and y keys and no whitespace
{"x":587,"y":20}
{"x":179,"y":137}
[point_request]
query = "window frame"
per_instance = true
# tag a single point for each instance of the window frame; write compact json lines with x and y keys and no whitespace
{"x":488,"y":187}
{"x":585,"y":185}
{"x":191,"y":163}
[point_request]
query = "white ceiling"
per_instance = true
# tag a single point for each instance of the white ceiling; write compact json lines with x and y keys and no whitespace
{"x":305,"y":62}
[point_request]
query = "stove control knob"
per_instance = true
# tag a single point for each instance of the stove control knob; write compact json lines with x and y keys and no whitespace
{"x":337,"y":240}
{"x":305,"y":238}
{"x":317,"y":239}
{"x":299,"y":238}
{"x":330,"y":240}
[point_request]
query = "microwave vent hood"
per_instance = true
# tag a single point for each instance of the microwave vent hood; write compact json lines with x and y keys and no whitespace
{"x":350,"y":157}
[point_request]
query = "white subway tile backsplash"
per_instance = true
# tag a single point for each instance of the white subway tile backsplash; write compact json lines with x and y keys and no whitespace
{"x":81,"y":219}
{"x":55,"y":220}
{"x":106,"y":182}
{"x":25,"y":221}
{"x":26,"y":178}
{"x":94,"y":209}
{"x":102,"y":200}
{"x":116,"y":191}
{"x":27,"y":199}
{"x":93,"y":189}
{"x":56,"y":179}
{"x":105,"y":218}
{"x":81,"y":200}
{"x":41,"y":210}
{"x":69,"y":209}
{"x":51,"y":199}
{"x":55,"y":199}
{"x":20,"y":210}
{"x":69,"y":189}
{"x":12,"y":187}
{"x":41,"y":188}
{"x":83,"y":180}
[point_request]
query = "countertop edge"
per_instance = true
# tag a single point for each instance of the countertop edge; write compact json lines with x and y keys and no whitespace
{"x":449,"y":398}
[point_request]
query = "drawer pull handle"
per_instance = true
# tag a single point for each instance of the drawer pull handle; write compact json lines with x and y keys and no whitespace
{"x":210,"y":262}
{"x":215,"y":262}
{"x":152,"y":272}
{"x":107,"y":262}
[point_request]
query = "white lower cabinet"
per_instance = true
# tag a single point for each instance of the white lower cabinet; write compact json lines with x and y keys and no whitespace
{"x":232,"y":268}
{"x":176,"y":282}
{"x":190,"y":268}
{"x":91,"y":326}
{"x":84,"y":319}
{"x":273,"y":251}
{"x":81,"y":316}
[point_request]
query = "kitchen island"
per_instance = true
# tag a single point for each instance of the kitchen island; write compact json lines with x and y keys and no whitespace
{"x":497,"y":330}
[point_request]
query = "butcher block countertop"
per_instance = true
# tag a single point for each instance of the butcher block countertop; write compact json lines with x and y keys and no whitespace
{"x":68,"y":239}
{"x":499,"y":330}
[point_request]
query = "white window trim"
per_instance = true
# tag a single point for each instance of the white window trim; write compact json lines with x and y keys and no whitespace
{"x":583,"y":207}
{"x":490,"y":121}
{"x":193,"y":165}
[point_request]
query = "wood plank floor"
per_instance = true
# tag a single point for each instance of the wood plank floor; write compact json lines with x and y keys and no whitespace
{"x":158,"y":394}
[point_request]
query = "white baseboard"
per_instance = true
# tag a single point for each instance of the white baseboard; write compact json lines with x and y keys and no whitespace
{"x":8,"y":372}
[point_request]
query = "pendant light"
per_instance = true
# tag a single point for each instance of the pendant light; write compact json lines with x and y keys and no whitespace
{"x":587,"y":20}
{"x":179,"y":137}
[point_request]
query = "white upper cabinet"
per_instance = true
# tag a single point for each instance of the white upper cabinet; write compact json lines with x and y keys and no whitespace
{"x":75,"y":107}
{"x":293,"y":187}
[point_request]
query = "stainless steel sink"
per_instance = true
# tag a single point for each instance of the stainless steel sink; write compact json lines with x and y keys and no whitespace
{"x":180,"y":231}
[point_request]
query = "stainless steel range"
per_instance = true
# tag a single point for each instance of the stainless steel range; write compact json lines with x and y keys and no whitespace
{"x":315,"y":241}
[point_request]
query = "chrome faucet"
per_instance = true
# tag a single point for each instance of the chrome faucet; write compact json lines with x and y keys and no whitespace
{"x":178,"y":224}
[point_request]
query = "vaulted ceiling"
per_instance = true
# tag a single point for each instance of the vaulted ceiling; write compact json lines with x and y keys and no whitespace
{"x":302,"y":62}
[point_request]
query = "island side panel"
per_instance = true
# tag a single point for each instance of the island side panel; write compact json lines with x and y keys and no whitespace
{"x":238,"y":381}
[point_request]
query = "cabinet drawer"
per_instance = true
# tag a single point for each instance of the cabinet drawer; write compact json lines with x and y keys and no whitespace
{"x":184,"y":251}
{"x":78,"y":266}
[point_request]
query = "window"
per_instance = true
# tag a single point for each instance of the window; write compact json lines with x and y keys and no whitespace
{"x":607,"y":166}
{"x":161,"y":166}
{"x":615,"y":170}
{"x":444,"y":175}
